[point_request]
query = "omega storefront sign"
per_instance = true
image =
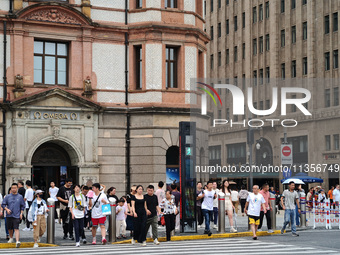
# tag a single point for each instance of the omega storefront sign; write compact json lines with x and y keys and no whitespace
{"x":48,"y":115}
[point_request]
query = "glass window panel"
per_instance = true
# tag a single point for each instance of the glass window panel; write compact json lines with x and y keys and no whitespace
{"x":62,"y":49}
{"x":171,"y":54}
{"x":50,"y":48}
{"x":37,"y":76}
{"x":172,"y":74}
{"x":39,"y":47}
{"x":167,"y":74}
{"x":49,"y":77}
{"x":50,"y":63}
{"x":62,"y":78}
{"x":38,"y":62}
{"x":62,"y":64}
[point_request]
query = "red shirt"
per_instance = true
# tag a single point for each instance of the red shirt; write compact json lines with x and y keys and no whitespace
{"x":266,"y":196}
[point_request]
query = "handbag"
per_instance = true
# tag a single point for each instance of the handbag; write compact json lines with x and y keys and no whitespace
{"x":106,"y":210}
{"x":162,"y":221}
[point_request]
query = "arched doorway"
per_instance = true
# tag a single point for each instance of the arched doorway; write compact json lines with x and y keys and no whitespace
{"x":172,"y":166}
{"x":51,"y":162}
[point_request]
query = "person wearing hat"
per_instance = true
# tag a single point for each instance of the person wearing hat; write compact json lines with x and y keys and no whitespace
{"x":38,"y":213}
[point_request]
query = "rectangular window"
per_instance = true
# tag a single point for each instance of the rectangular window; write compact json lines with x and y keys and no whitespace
{"x":243,"y":20}
{"x":219,"y":4}
{"x":254,"y":46}
{"x":335,"y":22}
{"x":139,"y":4}
{"x":293,"y":34}
{"x":227,"y":57}
{"x":294,"y":68}
{"x":335,"y":59}
{"x":212,"y":61}
{"x":243,"y":51}
{"x":283,"y":71}
{"x":170,"y":3}
{"x":50,"y":63}
{"x":327,"y":61}
{"x":327,"y":24}
{"x":227,"y":2}
{"x":267,"y":42}
{"x":261,"y":44}
{"x":261,"y":77}
{"x":227,"y":26}
{"x":235,"y":23}
{"x":211,"y":5}
{"x":171,"y":67}
{"x":304,"y":2}
{"x":254,"y":15}
{"x":139,"y":66}
{"x":327,"y":98}
{"x":293,"y":105}
{"x":260,"y":12}
{"x":267,"y":74}
{"x":212,"y":33}
{"x":304,"y":66}
{"x":267,"y":9}
{"x":219,"y":59}
{"x":267,"y":104}
{"x":261,"y":105}
{"x":235,"y":54}
{"x":293,"y":4}
{"x":328,"y":142}
{"x":336,"y":141}
{"x":255,"y":78}
{"x":219,"y":30}
{"x":304,"y":31}
{"x":282,"y":6}
{"x":283,"y":38}
{"x":335,"y":96}
{"x":227,"y":114}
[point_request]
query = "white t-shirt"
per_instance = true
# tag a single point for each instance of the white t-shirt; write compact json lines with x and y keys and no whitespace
{"x":97,"y":208}
{"x":54,"y":192}
{"x":29,"y":196}
{"x":336,"y":195}
{"x":208,"y":201}
{"x":40,"y":210}
{"x":215,"y":203}
{"x":73,"y":201}
{"x":120,"y":215}
{"x":255,"y":203}
{"x":234,"y":195}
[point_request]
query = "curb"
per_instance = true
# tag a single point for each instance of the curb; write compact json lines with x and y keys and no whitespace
{"x":201,"y":237}
{"x":24,"y":245}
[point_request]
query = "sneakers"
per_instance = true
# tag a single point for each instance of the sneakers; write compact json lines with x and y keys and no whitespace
{"x":36,"y":245}
{"x":104,"y":241}
{"x":215,"y":226}
{"x":133,"y":241}
{"x":255,"y":238}
{"x":17,"y":245}
{"x":295,"y":234}
{"x":65,"y":237}
{"x":84,"y":241}
{"x":10,"y":240}
{"x":207,"y":232}
{"x":270,"y":231}
{"x":156,"y":242}
{"x":232,"y":230}
{"x":144,"y":243}
{"x":282,"y":231}
{"x":94,"y":241}
{"x":26,"y":229}
{"x":71,"y":238}
{"x":259,"y":230}
{"x":56,"y":221}
{"x":77,"y":244}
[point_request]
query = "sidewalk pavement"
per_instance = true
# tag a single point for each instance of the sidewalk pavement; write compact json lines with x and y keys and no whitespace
{"x":241,"y":225}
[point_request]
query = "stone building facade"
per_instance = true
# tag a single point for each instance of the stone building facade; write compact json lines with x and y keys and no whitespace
{"x":263,"y":44}
{"x":96,"y":89}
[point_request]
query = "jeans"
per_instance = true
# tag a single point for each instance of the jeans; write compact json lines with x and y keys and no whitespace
{"x":215,"y":215}
{"x":7,"y":233}
{"x":199,"y":215}
{"x":78,"y":225}
{"x":207,"y":216}
{"x":290,"y":217}
{"x":297,"y":218}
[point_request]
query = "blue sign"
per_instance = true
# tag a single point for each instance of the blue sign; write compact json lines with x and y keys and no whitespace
{"x":287,"y":173}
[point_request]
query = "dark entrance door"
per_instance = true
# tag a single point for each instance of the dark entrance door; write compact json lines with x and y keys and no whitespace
{"x":51,"y":162}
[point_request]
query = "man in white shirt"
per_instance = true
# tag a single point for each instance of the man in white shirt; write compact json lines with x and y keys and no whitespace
{"x":98,"y":218}
{"x":336,"y":198}
{"x":208,"y":205}
{"x":253,"y":206}
{"x":29,"y":194}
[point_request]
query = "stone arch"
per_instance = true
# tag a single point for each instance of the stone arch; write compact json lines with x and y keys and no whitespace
{"x":76,"y":157}
{"x":53,"y":13}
